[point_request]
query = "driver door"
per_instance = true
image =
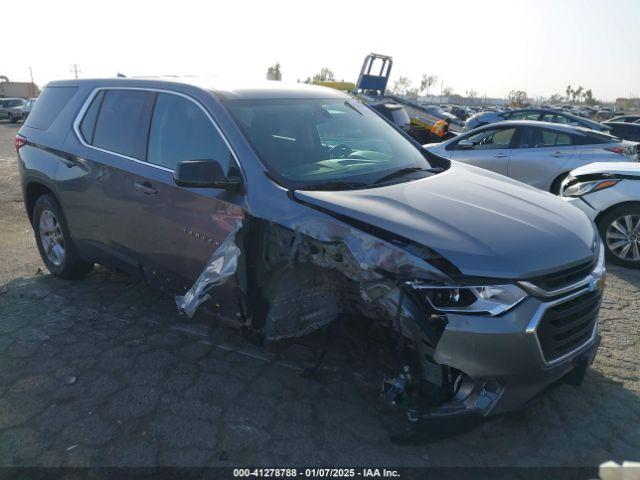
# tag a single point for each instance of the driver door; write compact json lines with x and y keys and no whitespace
{"x":489,"y":149}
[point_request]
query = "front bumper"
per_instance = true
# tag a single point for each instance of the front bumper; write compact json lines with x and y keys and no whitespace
{"x":502,"y":360}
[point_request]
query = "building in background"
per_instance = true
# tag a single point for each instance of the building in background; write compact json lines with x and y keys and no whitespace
{"x":17,"y":89}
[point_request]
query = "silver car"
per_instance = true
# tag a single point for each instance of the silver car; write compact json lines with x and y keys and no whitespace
{"x":542,"y":115}
{"x":538,"y":153}
{"x":609,"y":193}
{"x":11,"y":108}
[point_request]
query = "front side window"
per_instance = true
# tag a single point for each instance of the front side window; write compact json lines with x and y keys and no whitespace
{"x":180,"y":130}
{"x":123,"y":122}
{"x":494,"y":138}
{"x":306,"y":143}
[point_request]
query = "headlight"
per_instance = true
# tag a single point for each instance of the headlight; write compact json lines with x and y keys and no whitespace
{"x":486,"y":299}
{"x":582,"y":188}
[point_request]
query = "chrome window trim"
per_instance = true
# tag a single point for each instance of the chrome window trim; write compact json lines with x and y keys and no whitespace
{"x":532,"y":328}
{"x":94,"y":92}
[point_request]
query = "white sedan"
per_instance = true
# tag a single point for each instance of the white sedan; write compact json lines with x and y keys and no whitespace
{"x":538,"y":153}
{"x":609,"y":193}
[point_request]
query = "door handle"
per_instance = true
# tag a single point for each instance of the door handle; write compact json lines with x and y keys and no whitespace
{"x":145,"y":188}
{"x":557,"y":154}
{"x":500,"y":155}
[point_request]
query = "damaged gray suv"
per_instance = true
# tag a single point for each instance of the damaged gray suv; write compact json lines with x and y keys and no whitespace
{"x":282,"y":208}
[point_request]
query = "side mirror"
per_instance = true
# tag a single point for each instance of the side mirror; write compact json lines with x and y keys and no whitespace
{"x":465,"y":144}
{"x":203,"y":174}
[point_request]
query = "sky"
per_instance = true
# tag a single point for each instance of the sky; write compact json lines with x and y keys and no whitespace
{"x":490,"y":46}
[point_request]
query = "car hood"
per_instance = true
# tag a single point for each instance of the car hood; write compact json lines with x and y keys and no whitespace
{"x":615,"y":168}
{"x":485,"y":224}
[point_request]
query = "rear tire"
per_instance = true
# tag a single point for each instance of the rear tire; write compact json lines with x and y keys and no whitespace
{"x":54,"y":240}
{"x":12,"y":118}
{"x":620,"y":232}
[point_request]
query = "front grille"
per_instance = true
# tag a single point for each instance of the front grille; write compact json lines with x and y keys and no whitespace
{"x":568,"y":325}
{"x":564,"y":278}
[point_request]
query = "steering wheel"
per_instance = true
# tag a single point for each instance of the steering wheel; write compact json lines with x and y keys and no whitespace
{"x":340,"y":149}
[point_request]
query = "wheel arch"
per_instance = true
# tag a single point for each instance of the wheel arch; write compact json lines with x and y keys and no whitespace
{"x":601,"y":215}
{"x":34,"y":190}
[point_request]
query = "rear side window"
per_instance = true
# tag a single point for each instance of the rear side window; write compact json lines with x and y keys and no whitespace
{"x":539,"y":138}
{"x":123,"y":122}
{"x":180,"y":130}
{"x":593,"y":138}
{"x":49,"y":105}
{"x":88,"y":124}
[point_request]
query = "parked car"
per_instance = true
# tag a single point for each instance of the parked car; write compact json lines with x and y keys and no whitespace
{"x":609,"y":193}
{"x":602,"y":115}
{"x":28,"y":106}
{"x":625,"y":130}
{"x":552,"y":116}
{"x":538,"y":153}
{"x":624,"y":119}
{"x":280,"y":208}
{"x":11,"y":108}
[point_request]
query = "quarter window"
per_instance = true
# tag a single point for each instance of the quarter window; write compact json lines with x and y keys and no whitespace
{"x":88,"y":124}
{"x":180,"y":130}
{"x":123,"y":122}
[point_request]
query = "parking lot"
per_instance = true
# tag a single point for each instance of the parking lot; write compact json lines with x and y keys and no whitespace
{"x":105,"y":372}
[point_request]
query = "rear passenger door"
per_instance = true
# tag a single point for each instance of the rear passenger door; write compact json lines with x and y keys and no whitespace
{"x":97,"y":191}
{"x":539,"y":156}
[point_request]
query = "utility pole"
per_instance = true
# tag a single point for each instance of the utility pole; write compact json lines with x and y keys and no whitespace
{"x":31,"y":87}
{"x":75,"y":70}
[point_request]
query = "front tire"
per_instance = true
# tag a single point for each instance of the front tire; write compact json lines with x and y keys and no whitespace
{"x":620,"y":232}
{"x":54,"y":240}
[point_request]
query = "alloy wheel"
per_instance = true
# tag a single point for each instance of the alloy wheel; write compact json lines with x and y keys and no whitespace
{"x":52,"y":238}
{"x":623,"y":237}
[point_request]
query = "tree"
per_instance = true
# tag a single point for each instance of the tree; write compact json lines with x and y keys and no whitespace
{"x":569,"y":91}
{"x":325,"y":75}
{"x":427,"y":82}
{"x":274,"y":73}
{"x":447,"y":91}
{"x":471,"y":93}
{"x":588,"y":98}
{"x":518,"y":97}
{"x":579,"y":93}
{"x":555,"y":98}
{"x":401,"y":86}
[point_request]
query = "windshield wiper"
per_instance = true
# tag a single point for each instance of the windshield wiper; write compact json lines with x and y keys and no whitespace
{"x":336,"y":185}
{"x":404,"y":171}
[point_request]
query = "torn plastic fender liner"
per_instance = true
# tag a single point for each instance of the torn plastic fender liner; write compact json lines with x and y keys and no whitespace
{"x":222,"y":264}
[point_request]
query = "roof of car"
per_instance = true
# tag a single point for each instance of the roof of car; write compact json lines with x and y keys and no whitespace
{"x":536,"y":123}
{"x":224,"y":89}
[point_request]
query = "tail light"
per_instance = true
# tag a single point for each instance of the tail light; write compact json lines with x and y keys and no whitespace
{"x":618,"y":150}
{"x":20,"y":142}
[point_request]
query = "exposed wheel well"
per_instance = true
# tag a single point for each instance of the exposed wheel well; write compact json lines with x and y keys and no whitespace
{"x":612,"y":207}
{"x":555,"y":185}
{"x":33,"y":191}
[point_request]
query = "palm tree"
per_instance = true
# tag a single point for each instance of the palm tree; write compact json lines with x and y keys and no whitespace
{"x":579,"y":93}
{"x":569,"y":90}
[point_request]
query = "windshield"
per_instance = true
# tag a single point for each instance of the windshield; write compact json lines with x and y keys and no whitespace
{"x":327,"y":143}
{"x":14,"y":103}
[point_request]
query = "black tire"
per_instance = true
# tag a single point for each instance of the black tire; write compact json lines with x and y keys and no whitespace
{"x":50,"y":226}
{"x":608,"y":233}
{"x":555,"y":186}
{"x":11,"y":118}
